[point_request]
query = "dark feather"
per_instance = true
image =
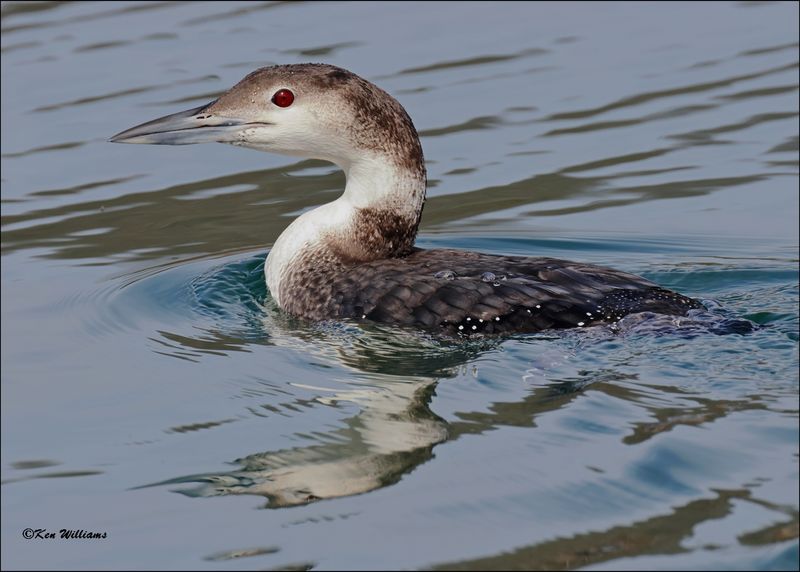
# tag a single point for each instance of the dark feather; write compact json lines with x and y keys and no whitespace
{"x":468,"y":292}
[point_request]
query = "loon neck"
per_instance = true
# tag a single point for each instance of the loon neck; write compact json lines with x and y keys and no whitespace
{"x":376,"y":182}
{"x":376,"y":217}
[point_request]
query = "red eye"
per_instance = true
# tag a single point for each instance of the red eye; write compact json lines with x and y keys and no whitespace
{"x":283,"y":98}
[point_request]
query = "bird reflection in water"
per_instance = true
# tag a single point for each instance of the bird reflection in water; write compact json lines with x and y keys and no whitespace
{"x":393,"y":432}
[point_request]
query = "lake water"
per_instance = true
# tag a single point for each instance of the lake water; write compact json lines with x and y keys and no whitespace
{"x":151,"y":390}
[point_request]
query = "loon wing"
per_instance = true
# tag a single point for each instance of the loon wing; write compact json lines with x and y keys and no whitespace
{"x":471,"y":292}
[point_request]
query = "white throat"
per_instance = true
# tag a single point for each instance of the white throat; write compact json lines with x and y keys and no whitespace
{"x":375,"y":184}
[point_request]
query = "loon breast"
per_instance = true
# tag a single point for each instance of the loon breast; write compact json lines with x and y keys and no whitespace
{"x":354,"y":257}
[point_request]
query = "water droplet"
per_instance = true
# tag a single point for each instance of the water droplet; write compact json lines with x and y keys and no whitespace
{"x":488,"y":277}
{"x":445,"y":275}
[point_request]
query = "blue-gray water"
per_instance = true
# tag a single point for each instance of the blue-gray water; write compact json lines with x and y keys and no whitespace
{"x":152,"y":391}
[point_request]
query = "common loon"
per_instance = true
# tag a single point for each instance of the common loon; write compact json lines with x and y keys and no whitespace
{"x":355,"y":257}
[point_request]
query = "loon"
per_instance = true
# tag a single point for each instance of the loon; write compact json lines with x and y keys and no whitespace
{"x":355,"y":257}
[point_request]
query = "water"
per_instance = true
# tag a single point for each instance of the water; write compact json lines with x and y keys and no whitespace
{"x":151,"y":390}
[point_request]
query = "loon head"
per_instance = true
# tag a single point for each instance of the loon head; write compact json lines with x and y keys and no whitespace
{"x":317,"y":111}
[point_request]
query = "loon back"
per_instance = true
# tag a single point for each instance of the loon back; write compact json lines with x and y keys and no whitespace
{"x":468,"y":292}
{"x":354,"y":257}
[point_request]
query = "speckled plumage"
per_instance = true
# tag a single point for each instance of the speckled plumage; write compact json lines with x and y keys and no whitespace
{"x":465,"y":292}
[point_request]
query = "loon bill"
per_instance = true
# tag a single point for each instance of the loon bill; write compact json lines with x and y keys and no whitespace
{"x":355,"y":257}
